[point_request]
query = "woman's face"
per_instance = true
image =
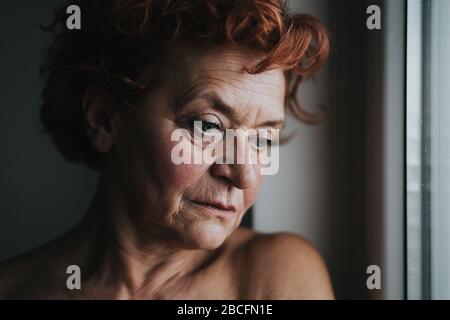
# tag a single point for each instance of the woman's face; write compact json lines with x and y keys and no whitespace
{"x":194,"y":205}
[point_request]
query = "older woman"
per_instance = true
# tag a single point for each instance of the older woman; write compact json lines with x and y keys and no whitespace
{"x":115,"y":92}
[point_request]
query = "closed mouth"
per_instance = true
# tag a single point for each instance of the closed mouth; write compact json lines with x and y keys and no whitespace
{"x":215,"y":205}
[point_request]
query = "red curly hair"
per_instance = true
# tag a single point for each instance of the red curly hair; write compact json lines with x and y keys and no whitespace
{"x":123,"y":44}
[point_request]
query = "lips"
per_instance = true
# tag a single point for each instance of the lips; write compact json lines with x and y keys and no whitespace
{"x":215,"y":205}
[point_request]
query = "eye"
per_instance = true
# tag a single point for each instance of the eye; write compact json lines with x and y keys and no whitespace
{"x":207,"y":124}
{"x":264,"y":139}
{"x":263,"y":142}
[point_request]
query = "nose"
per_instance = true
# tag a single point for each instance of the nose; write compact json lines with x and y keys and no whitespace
{"x":241,"y":172}
{"x":242,"y":176}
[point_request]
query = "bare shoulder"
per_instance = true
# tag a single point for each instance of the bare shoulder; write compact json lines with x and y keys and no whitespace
{"x":285,"y":266}
{"x":14,"y":275}
{"x":28,"y":275}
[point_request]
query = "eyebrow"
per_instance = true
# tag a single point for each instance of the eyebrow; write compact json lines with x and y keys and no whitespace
{"x":218,"y":104}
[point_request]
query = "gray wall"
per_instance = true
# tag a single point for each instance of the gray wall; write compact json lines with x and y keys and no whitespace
{"x":340,"y":182}
{"x":321,"y":189}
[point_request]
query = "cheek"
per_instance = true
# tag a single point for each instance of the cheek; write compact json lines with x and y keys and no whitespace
{"x":251,"y":193}
{"x":179,"y":176}
{"x":145,"y":159}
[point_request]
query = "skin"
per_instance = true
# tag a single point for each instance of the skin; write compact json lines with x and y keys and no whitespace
{"x":147,"y":234}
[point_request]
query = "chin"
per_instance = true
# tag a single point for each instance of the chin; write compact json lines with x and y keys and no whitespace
{"x":209,"y":235}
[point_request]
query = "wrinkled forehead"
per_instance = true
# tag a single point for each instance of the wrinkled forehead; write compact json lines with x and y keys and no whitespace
{"x":222,"y":69}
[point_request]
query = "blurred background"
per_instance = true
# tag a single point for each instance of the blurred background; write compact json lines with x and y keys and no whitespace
{"x":342,"y":183}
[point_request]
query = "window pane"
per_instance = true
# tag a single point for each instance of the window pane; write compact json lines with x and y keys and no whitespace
{"x":440,"y":148}
{"x":428,"y":149}
{"x":414,"y":166}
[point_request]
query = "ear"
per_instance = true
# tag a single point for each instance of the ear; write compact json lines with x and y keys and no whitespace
{"x":98,"y":111}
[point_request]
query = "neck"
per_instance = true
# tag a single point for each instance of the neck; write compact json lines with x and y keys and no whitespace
{"x":118,"y":255}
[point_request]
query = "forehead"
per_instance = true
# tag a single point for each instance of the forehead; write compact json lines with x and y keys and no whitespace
{"x":222,"y":70}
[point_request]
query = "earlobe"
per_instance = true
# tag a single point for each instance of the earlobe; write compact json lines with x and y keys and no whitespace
{"x":98,"y":118}
{"x":102,"y":141}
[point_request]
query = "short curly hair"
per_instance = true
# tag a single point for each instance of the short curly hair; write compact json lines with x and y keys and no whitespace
{"x":123,"y":44}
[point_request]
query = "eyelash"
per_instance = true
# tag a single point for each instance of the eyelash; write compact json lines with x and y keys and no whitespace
{"x":215,"y":125}
{"x":190,"y":122}
{"x":268,"y":141}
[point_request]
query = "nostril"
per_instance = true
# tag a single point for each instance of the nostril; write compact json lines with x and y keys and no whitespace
{"x":241,"y":176}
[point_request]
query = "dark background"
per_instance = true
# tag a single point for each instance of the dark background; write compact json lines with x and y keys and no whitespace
{"x":41,"y":195}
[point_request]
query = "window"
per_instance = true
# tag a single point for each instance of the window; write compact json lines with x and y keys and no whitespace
{"x":428,"y":150}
